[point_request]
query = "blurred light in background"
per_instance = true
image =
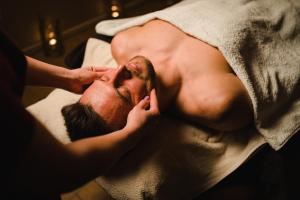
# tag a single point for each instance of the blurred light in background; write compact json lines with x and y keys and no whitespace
{"x":52,"y":42}
{"x":51,"y":36}
{"x":115,"y":8}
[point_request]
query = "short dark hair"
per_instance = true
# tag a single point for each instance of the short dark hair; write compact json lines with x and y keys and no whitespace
{"x":82,"y":121}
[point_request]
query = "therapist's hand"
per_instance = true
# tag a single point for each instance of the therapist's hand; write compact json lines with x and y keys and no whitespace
{"x":82,"y":77}
{"x":142,"y":115}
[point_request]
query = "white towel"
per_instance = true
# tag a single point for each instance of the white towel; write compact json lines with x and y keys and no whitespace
{"x":177,"y":161}
{"x":260,"y":40}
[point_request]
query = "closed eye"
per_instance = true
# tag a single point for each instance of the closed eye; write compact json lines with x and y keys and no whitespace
{"x":125,"y":94}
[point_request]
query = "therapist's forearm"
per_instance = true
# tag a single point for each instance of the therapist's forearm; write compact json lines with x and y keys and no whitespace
{"x":43,"y":74}
{"x":48,"y":167}
{"x":101,"y":152}
{"x":95,"y":157}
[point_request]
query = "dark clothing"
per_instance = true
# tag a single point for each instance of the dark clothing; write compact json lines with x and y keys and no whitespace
{"x":16,"y":123}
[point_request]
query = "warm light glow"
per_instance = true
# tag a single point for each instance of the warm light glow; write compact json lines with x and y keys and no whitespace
{"x":114,"y":8}
{"x":51,"y":35}
{"x":52,"y":42}
{"x":115,"y":14}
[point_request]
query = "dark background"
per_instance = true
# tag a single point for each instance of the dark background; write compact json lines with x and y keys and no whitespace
{"x":21,"y":18}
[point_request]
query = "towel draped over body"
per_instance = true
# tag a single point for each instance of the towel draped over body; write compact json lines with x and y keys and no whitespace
{"x":261,"y":42}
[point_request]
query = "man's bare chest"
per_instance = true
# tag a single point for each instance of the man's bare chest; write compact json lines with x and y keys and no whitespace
{"x":177,"y":57}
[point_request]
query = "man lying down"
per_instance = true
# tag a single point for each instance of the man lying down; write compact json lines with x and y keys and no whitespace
{"x":192,"y":79}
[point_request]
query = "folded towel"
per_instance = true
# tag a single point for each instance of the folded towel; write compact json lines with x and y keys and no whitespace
{"x":260,"y":40}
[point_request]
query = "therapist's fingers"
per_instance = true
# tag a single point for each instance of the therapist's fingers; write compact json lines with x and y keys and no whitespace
{"x":101,"y":68}
{"x":97,"y":71}
{"x":97,"y":68}
{"x":144,"y":103}
{"x":154,"y":108}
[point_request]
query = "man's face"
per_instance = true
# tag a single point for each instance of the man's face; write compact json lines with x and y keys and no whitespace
{"x":117,"y":91}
